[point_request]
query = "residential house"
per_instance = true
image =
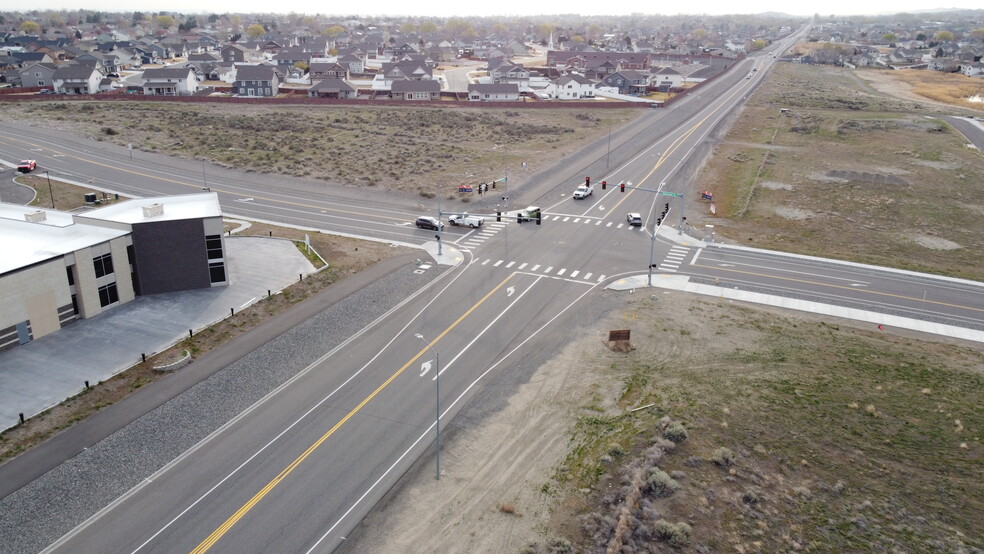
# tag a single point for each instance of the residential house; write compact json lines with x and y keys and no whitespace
{"x":256,"y":80}
{"x":105,"y":63}
{"x":76,"y":78}
{"x":416,"y":90}
{"x":38,"y":75}
{"x":493,"y":92}
{"x":203,"y":57}
{"x":170,"y":82}
{"x":356,"y":63}
{"x":627,"y":81}
{"x":287,"y":57}
{"x":233,"y":53}
{"x":508,"y":72}
{"x":27,"y":58}
{"x":666,"y":78}
{"x":973,"y":69}
{"x":572,"y":86}
{"x":319,"y":71}
{"x":332,"y":88}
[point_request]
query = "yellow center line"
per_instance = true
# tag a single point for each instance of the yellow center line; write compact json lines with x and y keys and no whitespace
{"x":831,"y":285}
{"x":242,"y":511}
{"x":196,"y":185}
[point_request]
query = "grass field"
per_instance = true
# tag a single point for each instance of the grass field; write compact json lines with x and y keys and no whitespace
{"x":801,"y":434}
{"x":425,"y":150}
{"x":851,"y":174}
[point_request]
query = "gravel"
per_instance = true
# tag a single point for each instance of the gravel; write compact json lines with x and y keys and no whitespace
{"x":38,"y":514}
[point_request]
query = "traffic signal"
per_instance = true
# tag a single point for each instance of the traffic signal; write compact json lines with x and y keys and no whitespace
{"x":479,"y":190}
{"x":498,"y":215}
{"x":604,"y":184}
{"x":622,"y":185}
{"x":493,"y":185}
{"x":539,"y":217}
{"x":587,"y":181}
{"x":666,"y":208}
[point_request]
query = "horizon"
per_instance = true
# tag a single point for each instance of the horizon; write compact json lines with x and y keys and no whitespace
{"x":505,"y":9}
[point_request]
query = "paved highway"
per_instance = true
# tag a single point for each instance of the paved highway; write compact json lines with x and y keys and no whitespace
{"x":299,"y":469}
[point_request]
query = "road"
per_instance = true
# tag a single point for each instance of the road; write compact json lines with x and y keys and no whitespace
{"x":298,"y":470}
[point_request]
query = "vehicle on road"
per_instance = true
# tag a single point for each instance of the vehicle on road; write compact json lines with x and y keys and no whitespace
{"x":531,"y":213}
{"x":27,"y":166}
{"x":583,"y":191}
{"x":428,"y":222}
{"x":634,"y":219}
{"x":465,"y":219}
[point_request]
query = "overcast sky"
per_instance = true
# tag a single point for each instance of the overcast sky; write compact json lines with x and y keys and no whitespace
{"x":501,"y":7}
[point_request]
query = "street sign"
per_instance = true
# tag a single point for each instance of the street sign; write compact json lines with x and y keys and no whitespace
{"x":676,"y":194}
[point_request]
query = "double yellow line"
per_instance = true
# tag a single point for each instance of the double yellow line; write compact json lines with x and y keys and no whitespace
{"x":242,"y":511}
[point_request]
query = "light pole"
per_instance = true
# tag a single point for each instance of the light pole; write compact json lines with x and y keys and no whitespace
{"x":437,"y":404}
{"x":51,"y":194}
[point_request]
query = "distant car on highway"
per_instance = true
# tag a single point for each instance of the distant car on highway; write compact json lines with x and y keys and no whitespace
{"x":27,"y":166}
{"x":428,"y":222}
{"x":634,"y":219}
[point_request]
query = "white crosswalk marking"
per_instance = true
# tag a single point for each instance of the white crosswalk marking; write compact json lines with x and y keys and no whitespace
{"x":574,"y":273}
{"x":673,"y":259}
{"x":548,"y":270}
{"x":566,"y":218}
{"x":576,"y":220}
{"x":521,"y":266}
{"x":510,"y":264}
{"x":609,"y":224}
{"x":534,"y":268}
{"x":602,"y":278}
{"x":497,"y":264}
{"x":599,"y":222}
{"x":619,"y":226}
{"x":486,"y":261}
{"x":561,"y":271}
{"x":587,"y":276}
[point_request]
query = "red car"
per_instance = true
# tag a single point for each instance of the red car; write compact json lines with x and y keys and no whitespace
{"x":27,"y":166}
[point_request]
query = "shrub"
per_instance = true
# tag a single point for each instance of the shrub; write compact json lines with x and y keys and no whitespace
{"x":109,"y":131}
{"x":675,"y":432}
{"x":615,"y":450}
{"x":560,"y":546}
{"x":723,"y":457}
{"x":660,"y":483}
{"x":676,"y":534}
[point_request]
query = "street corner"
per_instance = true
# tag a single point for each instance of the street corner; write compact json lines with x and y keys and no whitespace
{"x":443,"y":255}
{"x":677,"y":237}
{"x":659,"y":280}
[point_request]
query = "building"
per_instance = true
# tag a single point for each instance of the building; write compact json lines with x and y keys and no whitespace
{"x":169,"y":81}
{"x":59,"y":267}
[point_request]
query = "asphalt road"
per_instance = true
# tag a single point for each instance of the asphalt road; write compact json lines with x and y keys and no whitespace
{"x":298,"y":470}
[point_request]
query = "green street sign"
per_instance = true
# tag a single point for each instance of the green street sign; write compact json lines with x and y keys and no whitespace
{"x":677,"y":194}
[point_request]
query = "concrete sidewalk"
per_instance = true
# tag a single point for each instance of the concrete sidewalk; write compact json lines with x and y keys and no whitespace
{"x":44,"y":372}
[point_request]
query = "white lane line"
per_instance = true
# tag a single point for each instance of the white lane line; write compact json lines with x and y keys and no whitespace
{"x":696,"y":254}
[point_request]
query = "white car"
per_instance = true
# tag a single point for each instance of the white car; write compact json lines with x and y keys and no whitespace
{"x":634,"y":219}
{"x":465,"y":219}
{"x":583,"y":191}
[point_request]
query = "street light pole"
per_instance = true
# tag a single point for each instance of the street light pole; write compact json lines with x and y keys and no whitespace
{"x":51,"y":194}
{"x":437,"y":405}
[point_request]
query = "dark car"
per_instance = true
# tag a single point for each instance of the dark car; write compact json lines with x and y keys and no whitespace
{"x":427,"y":222}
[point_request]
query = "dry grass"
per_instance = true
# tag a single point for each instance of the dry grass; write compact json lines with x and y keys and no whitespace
{"x":427,"y":150}
{"x":949,"y":88}
{"x":852,"y":174}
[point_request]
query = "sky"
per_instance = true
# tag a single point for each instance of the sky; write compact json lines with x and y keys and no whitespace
{"x":500,"y":7}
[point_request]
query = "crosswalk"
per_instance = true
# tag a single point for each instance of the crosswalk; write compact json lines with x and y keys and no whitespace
{"x":541,"y":269}
{"x":593,"y":221}
{"x":482,"y":234}
{"x":674,"y":258}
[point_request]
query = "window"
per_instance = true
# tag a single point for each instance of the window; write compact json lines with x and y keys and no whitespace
{"x":108,"y":295}
{"x":213,"y":245}
{"x":103,"y":264}
{"x":71,"y":275}
{"x":216,"y":272}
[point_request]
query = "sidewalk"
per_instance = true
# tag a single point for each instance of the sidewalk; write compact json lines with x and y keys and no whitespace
{"x":42,"y":373}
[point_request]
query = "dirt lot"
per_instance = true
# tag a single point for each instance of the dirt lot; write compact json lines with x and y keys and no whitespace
{"x":425,"y":150}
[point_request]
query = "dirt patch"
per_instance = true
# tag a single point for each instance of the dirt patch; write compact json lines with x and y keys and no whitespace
{"x":865,"y":177}
{"x":935,"y":243}
{"x":794,"y":213}
{"x":773,"y":185}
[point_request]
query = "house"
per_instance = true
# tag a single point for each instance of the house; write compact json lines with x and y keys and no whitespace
{"x":627,"y":81}
{"x":170,"y":82}
{"x":355,"y":63}
{"x":106,"y":63}
{"x":571,"y":87}
{"x":60,"y":267}
{"x":256,"y":80}
{"x":203,"y":57}
{"x":493,"y":92}
{"x":666,"y":78}
{"x":972,"y":69}
{"x":287,"y":57}
{"x":234,"y":54}
{"x":37,"y":75}
{"x":27,"y":58}
{"x":416,"y":90}
{"x":508,"y":72}
{"x":320,"y":71}
{"x":331,"y":88}
{"x":77,"y":78}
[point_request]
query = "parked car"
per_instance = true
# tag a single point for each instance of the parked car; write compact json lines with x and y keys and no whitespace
{"x":634,"y":219}
{"x":465,"y":219}
{"x":428,"y":222}
{"x":27,"y":166}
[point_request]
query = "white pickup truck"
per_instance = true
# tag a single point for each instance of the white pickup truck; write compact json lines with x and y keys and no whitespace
{"x":465,"y":219}
{"x":583,"y":191}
